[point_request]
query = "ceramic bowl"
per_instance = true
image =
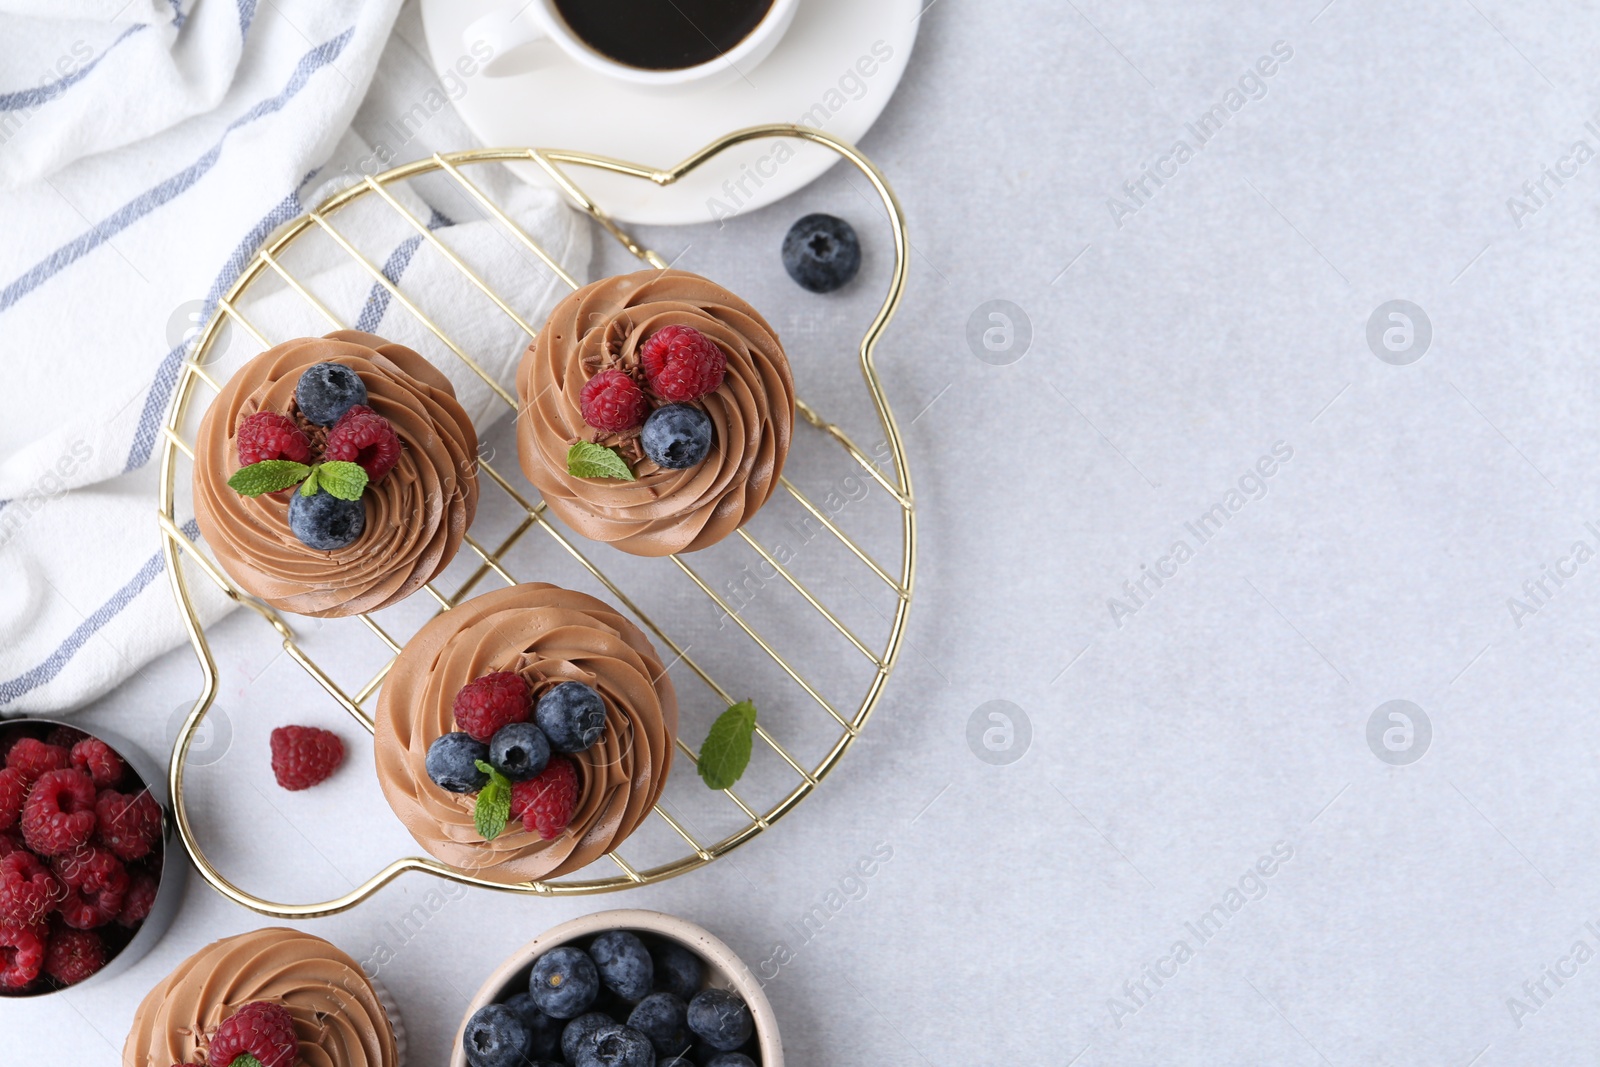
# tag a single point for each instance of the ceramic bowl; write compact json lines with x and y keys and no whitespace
{"x":174,"y":861}
{"x":723,"y":969}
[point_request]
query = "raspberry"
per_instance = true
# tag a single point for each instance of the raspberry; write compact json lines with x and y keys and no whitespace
{"x":13,"y":794}
{"x":682,"y":364}
{"x":261,"y":1028}
{"x":484,"y":705}
{"x":269,"y":435}
{"x":30,"y":758}
{"x":73,"y":955}
{"x":363,"y":436}
{"x":302,"y":756}
{"x":127,"y":824}
{"x":546,"y":802}
{"x":59,"y":813}
{"x":139,"y":899}
{"x":28,"y":891}
{"x":10,"y":843}
{"x":613,"y":402}
{"x":64,"y":736}
{"x":95,"y":758}
{"x":96,"y":883}
{"x":21,"y":956}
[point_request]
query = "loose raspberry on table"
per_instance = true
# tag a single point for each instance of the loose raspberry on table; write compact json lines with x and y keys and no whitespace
{"x":95,"y":758}
{"x":127,"y":824}
{"x":31,"y":757}
{"x":28,"y":890}
{"x":302,"y":756}
{"x":363,"y":436}
{"x":261,"y":1028}
{"x":59,"y":814}
{"x":485,"y":704}
{"x":73,"y":955}
{"x":13,"y":794}
{"x":22,"y":951}
{"x":139,"y":899}
{"x":270,"y":435}
{"x":682,"y":364}
{"x":613,"y":402}
{"x":546,"y":802}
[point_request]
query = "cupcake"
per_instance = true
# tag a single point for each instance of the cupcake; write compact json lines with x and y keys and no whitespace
{"x":310,"y":1002}
{"x":525,"y":733}
{"x":657,"y":409}
{"x":335,"y":475}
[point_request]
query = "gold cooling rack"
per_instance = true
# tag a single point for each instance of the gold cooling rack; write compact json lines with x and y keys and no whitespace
{"x":195,"y":381}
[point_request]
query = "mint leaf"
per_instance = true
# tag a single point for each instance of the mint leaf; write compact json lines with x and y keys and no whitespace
{"x":342,"y":479}
{"x":589,"y":460}
{"x":726,"y":752}
{"x":310,"y":486}
{"x":494,"y":803}
{"x":244,"y":1059}
{"x":268,"y":476}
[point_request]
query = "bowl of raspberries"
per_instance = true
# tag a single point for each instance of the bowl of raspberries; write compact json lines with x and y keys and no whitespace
{"x":620,"y":989}
{"x":85,"y":885}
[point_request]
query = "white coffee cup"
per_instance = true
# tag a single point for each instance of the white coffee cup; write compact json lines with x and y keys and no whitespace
{"x":511,"y":27}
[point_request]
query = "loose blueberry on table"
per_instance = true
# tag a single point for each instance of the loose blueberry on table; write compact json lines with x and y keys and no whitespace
{"x":359,"y":449}
{"x":678,"y":365}
{"x":512,"y":753}
{"x":619,"y":1002}
{"x":821,"y":253}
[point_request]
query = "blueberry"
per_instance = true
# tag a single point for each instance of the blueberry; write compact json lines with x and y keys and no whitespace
{"x":519,"y":751}
{"x":326,"y":391}
{"x":580,"y":1028}
{"x":452,"y":763}
{"x":564,"y":982}
{"x":664,"y":1019}
{"x":544,"y":1033}
{"x":721,"y":1018}
{"x":325,"y":522}
{"x":676,"y":436}
{"x":678,"y":971}
{"x":821,"y":253}
{"x":731,"y":1059}
{"x":572,"y":715}
{"x":495,"y":1037}
{"x":624,"y":964}
{"x":616,"y":1046}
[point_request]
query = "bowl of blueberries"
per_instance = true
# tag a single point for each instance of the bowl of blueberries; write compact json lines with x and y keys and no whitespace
{"x":624,"y":988}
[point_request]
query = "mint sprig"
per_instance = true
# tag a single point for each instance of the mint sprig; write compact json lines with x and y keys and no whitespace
{"x":342,"y":479}
{"x":585,"y":459}
{"x":494,"y":803}
{"x":244,"y":1059}
{"x":726,"y":752}
{"x":268,"y":476}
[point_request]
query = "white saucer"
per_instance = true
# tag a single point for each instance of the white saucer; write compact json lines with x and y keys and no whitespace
{"x":816,"y":71}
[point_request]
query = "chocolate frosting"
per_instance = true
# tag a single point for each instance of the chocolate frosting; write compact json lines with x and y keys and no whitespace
{"x":337,"y":1016}
{"x":416,"y":516}
{"x":604,"y":325}
{"x":548,"y":635}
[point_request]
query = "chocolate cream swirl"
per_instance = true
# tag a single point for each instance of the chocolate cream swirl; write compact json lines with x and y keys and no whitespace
{"x":337,"y":1015}
{"x":604,"y":325}
{"x":548,"y":635}
{"x":416,"y":516}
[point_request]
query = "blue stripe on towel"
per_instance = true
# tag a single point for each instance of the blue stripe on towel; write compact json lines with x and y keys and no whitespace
{"x":43,"y":94}
{"x":173,"y":187}
{"x":44,"y":672}
{"x":377,"y":304}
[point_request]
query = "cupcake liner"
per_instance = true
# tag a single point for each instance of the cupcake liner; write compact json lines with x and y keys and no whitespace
{"x":396,"y":1024}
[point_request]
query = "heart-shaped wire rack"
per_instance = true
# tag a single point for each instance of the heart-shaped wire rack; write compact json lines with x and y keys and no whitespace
{"x":195,"y":380}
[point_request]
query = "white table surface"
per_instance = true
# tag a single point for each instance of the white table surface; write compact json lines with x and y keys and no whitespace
{"x":1228,"y":715}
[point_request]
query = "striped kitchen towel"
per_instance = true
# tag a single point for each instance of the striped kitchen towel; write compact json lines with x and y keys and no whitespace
{"x":118,"y":246}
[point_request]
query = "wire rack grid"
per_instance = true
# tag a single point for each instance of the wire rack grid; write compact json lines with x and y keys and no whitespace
{"x":195,"y":381}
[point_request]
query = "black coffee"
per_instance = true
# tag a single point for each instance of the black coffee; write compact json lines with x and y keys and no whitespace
{"x":662,"y":34}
